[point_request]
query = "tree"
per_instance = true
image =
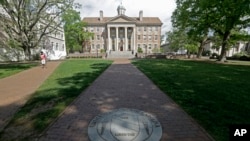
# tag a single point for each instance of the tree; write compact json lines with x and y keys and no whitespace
{"x":220,"y":16}
{"x":76,"y":37}
{"x":191,"y":49}
{"x":225,"y":16}
{"x":188,"y":16}
{"x":176,"y":39}
{"x":28,"y":21}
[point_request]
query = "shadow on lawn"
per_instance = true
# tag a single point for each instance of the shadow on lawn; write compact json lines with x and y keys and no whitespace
{"x":121,"y":86}
{"x":44,"y":106}
{"x":14,"y":67}
{"x":17,"y":65}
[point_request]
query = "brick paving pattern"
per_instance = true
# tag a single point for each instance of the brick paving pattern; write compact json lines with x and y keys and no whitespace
{"x":122,"y":85}
{"x":15,"y":90}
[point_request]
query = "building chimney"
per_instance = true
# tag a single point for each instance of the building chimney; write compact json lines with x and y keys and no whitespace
{"x":141,"y":15}
{"x":101,"y":15}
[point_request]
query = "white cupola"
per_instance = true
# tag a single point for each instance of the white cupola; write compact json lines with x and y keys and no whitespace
{"x":121,"y":9}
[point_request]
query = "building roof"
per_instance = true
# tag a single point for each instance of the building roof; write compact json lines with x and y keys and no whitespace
{"x":145,"y":21}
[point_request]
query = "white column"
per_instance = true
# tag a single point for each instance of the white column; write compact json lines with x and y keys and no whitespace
{"x":134,"y":39}
{"x":117,"y":38}
{"x":109,"y":45}
{"x":126,"y":39}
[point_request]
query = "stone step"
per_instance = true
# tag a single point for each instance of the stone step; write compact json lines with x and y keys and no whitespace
{"x":120,"y":54}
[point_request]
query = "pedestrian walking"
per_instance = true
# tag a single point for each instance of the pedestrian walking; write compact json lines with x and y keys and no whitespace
{"x":43,"y":59}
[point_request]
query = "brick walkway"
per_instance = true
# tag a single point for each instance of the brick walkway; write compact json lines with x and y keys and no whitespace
{"x":15,"y":89}
{"x":123,"y":86}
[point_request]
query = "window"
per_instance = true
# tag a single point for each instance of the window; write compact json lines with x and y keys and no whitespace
{"x":145,"y":28}
{"x":156,"y":28}
{"x":129,"y":30}
{"x":139,"y":45}
{"x":91,"y":29}
{"x":56,"y":46}
{"x":98,"y":37}
{"x":93,"y":46}
{"x":149,"y":29}
{"x":149,"y":46}
{"x":121,"y":33}
{"x":113,"y":33}
{"x":144,"y":37}
{"x":62,"y":49}
{"x":97,"y":29}
{"x":139,"y":37}
{"x":149,"y":37}
{"x":156,"y":37}
{"x":98,"y":46}
{"x":155,"y":45}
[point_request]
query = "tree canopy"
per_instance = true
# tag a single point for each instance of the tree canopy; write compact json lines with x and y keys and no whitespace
{"x":199,"y":17}
{"x":75,"y":35}
{"x":27,"y":22}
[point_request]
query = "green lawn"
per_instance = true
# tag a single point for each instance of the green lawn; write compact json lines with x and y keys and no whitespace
{"x":58,"y":91}
{"x":216,"y":95}
{"x":12,"y":68}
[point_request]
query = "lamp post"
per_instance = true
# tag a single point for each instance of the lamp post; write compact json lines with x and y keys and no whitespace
{"x":96,"y":52}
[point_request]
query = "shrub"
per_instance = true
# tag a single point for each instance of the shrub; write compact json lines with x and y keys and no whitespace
{"x":238,"y":55}
{"x":102,"y":51}
{"x":139,"y":50}
{"x":244,"y":58}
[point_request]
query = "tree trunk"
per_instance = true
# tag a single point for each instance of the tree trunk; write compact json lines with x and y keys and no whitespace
{"x":200,"y":49}
{"x":222,"y":56}
{"x":189,"y":54}
{"x":26,"y":54}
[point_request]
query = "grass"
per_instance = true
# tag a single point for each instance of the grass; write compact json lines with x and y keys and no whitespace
{"x":13,"y":68}
{"x":58,"y":91}
{"x":215,"y":95}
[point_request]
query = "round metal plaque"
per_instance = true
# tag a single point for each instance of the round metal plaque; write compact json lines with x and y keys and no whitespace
{"x":125,"y":125}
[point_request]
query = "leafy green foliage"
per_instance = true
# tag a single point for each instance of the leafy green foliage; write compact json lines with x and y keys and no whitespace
{"x":75,"y":35}
{"x":28,"y":22}
{"x":226,"y":18}
{"x":178,"y":39}
{"x":139,"y":50}
{"x":189,"y":17}
{"x":191,"y":47}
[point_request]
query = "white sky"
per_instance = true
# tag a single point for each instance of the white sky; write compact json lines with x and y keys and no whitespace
{"x":151,"y":8}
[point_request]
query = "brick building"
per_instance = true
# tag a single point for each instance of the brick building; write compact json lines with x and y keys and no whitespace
{"x":123,"y":33}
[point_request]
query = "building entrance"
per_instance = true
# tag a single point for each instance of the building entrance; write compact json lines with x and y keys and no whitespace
{"x":121,"y":45}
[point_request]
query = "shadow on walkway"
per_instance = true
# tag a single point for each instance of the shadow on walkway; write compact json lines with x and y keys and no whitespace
{"x":15,"y":89}
{"x":122,"y":85}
